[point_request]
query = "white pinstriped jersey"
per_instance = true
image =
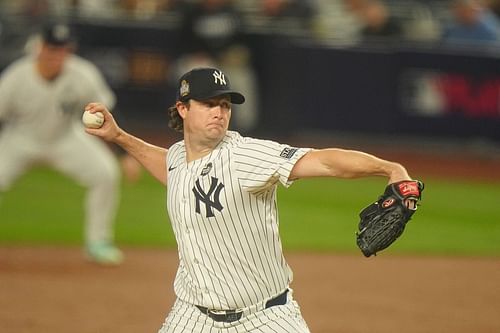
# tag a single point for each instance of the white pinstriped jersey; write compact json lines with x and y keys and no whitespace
{"x":223,"y":211}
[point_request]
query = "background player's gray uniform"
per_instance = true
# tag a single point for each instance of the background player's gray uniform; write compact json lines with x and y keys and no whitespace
{"x":42,"y":124}
{"x":224,"y":215}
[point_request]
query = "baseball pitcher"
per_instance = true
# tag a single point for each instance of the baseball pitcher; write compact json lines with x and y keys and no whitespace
{"x":221,"y":200}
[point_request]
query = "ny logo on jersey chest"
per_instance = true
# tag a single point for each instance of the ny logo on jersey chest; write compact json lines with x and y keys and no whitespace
{"x":211,"y":199}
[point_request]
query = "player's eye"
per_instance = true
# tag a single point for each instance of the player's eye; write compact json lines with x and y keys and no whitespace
{"x":210,"y":104}
{"x":223,"y":104}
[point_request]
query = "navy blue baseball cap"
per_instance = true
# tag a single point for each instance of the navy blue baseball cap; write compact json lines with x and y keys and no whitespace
{"x":57,"y":34}
{"x":204,"y":83}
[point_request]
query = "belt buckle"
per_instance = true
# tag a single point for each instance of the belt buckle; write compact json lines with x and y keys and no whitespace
{"x":229,"y":315}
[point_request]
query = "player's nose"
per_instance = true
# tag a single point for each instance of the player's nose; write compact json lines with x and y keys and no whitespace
{"x":217,"y":111}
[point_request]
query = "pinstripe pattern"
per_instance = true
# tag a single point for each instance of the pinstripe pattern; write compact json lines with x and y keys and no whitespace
{"x":224,"y":215}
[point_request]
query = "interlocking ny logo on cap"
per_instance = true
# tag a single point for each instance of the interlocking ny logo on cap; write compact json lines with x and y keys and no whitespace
{"x":61,"y":31}
{"x":219,"y":76}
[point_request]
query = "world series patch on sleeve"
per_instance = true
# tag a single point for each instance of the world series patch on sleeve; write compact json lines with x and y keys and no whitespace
{"x":383,"y":221}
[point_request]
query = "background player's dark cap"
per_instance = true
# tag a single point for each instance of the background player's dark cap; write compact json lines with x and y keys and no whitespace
{"x":57,"y":34}
{"x":204,"y":83}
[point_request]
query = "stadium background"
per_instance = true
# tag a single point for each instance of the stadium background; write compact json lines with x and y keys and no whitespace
{"x":315,"y":91}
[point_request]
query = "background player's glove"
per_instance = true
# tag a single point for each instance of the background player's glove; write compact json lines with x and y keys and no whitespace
{"x":383,"y":221}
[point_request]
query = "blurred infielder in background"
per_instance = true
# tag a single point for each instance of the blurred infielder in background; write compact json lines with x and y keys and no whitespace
{"x":41,"y":98}
{"x":232,"y":274}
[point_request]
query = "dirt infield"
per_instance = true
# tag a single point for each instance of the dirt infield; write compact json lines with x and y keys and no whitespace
{"x":55,"y":290}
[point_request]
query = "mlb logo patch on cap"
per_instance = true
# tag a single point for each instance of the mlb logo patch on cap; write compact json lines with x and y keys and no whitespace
{"x":184,"y":89}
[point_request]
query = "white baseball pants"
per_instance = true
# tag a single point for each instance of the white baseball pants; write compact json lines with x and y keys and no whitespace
{"x":78,"y":155}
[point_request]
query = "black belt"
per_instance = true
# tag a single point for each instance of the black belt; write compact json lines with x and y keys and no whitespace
{"x":229,"y":316}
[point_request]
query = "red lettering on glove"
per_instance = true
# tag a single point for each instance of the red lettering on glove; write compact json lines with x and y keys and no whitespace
{"x":409,"y":188}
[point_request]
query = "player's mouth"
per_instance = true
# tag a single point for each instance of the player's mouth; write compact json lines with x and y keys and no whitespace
{"x":221,"y":125}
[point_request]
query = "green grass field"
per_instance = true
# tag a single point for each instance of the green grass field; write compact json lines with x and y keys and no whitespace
{"x":456,"y":217}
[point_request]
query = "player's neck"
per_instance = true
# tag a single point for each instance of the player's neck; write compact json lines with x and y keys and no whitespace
{"x":196,"y":149}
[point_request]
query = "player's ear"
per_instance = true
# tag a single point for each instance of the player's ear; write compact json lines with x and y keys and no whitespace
{"x":182,"y":108}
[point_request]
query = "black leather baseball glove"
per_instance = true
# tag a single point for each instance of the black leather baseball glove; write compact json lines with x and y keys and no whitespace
{"x":383,"y":221}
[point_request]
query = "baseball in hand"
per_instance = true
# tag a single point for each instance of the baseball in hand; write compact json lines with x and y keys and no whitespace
{"x":93,"y":120}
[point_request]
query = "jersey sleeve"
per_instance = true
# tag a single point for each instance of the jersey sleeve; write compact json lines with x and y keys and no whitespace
{"x":261,"y":164}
